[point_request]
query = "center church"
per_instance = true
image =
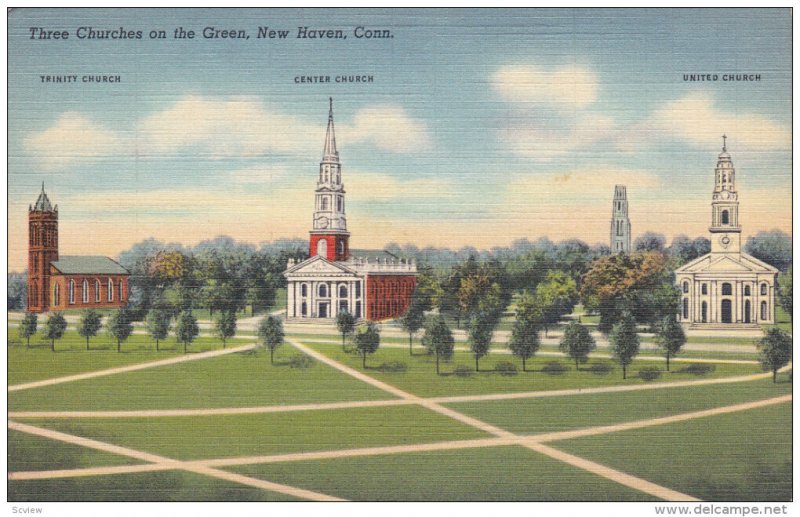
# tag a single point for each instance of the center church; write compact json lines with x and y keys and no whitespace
{"x":369,"y":284}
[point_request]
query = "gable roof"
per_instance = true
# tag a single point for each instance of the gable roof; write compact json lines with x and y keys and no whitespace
{"x":88,"y":265}
{"x":724,"y":262}
{"x":317,"y":265}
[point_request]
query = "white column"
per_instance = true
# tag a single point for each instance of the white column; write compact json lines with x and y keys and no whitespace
{"x":290,"y":299}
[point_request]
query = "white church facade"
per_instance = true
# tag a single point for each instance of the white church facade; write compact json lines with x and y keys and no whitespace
{"x":726,"y":288}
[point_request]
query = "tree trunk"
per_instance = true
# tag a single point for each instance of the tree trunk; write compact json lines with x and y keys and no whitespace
{"x":52,"y":345}
{"x":523,"y":365}
{"x":576,"y":364}
{"x":223,"y":343}
{"x":28,"y":342}
{"x":623,"y":372}
{"x":272,"y":356}
{"x":410,"y":344}
{"x":667,"y":361}
{"x":87,"y":342}
{"x":342,"y":341}
{"x":476,"y":364}
{"x":119,"y":345}
{"x":437,"y":363}
{"x":774,"y":376}
{"x":156,"y":345}
{"x":184,"y":347}
{"x":364,"y":360}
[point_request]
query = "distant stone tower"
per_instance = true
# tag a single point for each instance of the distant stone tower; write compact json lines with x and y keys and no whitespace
{"x":620,"y":223}
{"x":42,"y":250}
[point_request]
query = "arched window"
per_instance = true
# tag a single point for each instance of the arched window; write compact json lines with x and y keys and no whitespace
{"x":119,"y":285}
{"x":686,"y":287}
{"x":726,"y":289}
{"x":110,"y":290}
{"x":85,"y":292}
{"x":341,"y":247}
{"x":57,"y":295}
{"x":358,"y":289}
{"x":764,"y":311}
{"x":72,"y":291}
{"x":747,"y":290}
{"x":724,"y":217}
{"x":303,"y":290}
{"x":322,"y":247}
{"x":340,"y":203}
{"x":704,"y":289}
{"x":686,"y":308}
{"x":323,"y":290}
{"x":324,"y":205}
{"x":96,"y":290}
{"x":763,"y":289}
{"x":342,"y":291}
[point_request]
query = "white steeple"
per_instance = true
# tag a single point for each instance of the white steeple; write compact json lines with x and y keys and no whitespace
{"x":329,"y":209}
{"x":725,"y":229}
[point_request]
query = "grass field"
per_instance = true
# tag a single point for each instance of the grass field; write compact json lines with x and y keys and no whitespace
{"x":737,"y":457}
{"x":496,"y":474}
{"x":420,"y":377}
{"x":36,"y":453}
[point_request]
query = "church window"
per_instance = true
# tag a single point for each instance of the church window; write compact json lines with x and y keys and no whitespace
{"x":323,"y":290}
{"x":725,"y":217}
{"x":119,"y":285}
{"x":747,"y":290}
{"x":342,"y":291}
{"x":763,"y":310}
{"x":339,"y":204}
{"x":686,"y":287}
{"x":686,"y":308}
{"x":341,"y":247}
{"x":358,"y":289}
{"x":85,"y":292}
{"x":704,"y":312}
{"x":303,"y":309}
{"x":358,"y":310}
{"x":303,"y":290}
{"x":726,"y":289}
{"x":704,"y":289}
{"x":96,"y":290}
{"x":322,"y":247}
{"x":763,"y":289}
{"x":72,"y":291}
{"x":110,"y":290}
{"x":57,"y":295}
{"x":324,"y":205}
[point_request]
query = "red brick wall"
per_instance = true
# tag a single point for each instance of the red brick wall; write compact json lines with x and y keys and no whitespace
{"x":42,"y":249}
{"x":63,"y":284}
{"x":388,"y":296}
{"x":333,"y":246}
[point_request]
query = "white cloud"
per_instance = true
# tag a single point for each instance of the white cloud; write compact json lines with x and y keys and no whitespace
{"x":573,"y":86}
{"x":545,"y":142}
{"x":73,"y":137}
{"x":697,"y":120}
{"x":387,"y":127}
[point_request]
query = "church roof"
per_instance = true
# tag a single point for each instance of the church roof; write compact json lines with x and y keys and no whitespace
{"x":42,"y":202}
{"x":726,"y":263}
{"x":88,"y":265}
{"x":319,"y":266}
{"x":330,"y":154}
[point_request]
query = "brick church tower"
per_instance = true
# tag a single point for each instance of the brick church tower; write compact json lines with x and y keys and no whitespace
{"x":42,"y":250}
{"x":329,"y":235}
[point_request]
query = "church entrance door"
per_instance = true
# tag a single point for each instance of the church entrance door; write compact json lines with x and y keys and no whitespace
{"x":726,"y":311}
{"x":747,"y":311}
{"x":323,"y":310}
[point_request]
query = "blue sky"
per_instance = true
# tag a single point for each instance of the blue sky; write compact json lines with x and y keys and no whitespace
{"x":480,"y":126}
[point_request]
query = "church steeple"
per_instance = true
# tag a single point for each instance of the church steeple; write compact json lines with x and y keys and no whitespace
{"x":329,"y":231}
{"x":725,"y":228}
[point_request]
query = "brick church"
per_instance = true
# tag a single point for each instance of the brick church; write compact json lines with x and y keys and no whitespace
{"x":67,"y":282}
{"x":369,"y":284}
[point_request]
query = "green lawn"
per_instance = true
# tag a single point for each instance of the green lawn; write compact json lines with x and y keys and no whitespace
{"x":782,"y":319}
{"x":551,"y":414}
{"x":234,"y":380}
{"x":420,"y":377}
{"x":744,"y":456}
{"x":279,"y":303}
{"x":272,"y":433}
{"x":71,"y":357}
{"x":28,"y":452}
{"x":148,"y":486}
{"x":491,"y":474}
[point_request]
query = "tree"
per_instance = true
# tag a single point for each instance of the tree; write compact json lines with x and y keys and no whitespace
{"x":480,"y":333}
{"x":346,"y":324}
{"x":670,"y":337}
{"x":785,"y":291}
{"x":54,"y":328}
{"x":367,"y":340}
{"x":650,"y":241}
{"x":225,"y":326}
{"x":27,"y":327}
{"x":685,"y":250}
{"x":413,"y":320}
{"x":119,"y":326}
{"x":577,"y":342}
{"x":775,"y":350}
{"x":186,"y":328}
{"x":270,"y":330}
{"x":524,"y":342}
{"x":17,"y":290}
{"x":438,"y":339}
{"x":773,"y":247}
{"x":624,"y":341}
{"x":556,"y":297}
{"x":158,"y":325}
{"x":89,"y":325}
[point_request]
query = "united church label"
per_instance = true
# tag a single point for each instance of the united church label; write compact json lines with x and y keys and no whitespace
{"x":366,"y":245}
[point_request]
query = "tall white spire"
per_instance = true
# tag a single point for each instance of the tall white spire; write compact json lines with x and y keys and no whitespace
{"x":329,"y":209}
{"x":725,"y":227}
{"x":330,"y":154}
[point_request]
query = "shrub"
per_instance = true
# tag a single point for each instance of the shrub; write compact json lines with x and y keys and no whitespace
{"x":554,"y":368}
{"x":506,"y":368}
{"x":650,"y":373}
{"x":393,"y":367}
{"x":697,"y":368}
{"x":601,"y":368}
{"x":301,"y":361}
{"x":463,"y":371}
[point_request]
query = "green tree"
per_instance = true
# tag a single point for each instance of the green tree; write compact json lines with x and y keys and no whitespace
{"x":413,"y":320}
{"x":270,"y":330}
{"x":158,"y":325}
{"x":624,"y":341}
{"x":225,"y":326}
{"x":27,"y":327}
{"x":438,"y":339}
{"x":54,"y":328}
{"x":785,"y":291}
{"x":556,"y":297}
{"x":524,"y":342}
{"x":367,"y":340}
{"x":481,"y":328}
{"x":670,"y":337}
{"x":89,"y":325}
{"x":119,"y":326}
{"x":775,"y":350}
{"x":773,"y":247}
{"x":346,"y":324}
{"x":577,"y":342}
{"x":186,"y":328}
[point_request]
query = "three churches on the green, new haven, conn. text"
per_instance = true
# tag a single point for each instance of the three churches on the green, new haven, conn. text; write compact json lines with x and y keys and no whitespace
{"x":724,"y":289}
